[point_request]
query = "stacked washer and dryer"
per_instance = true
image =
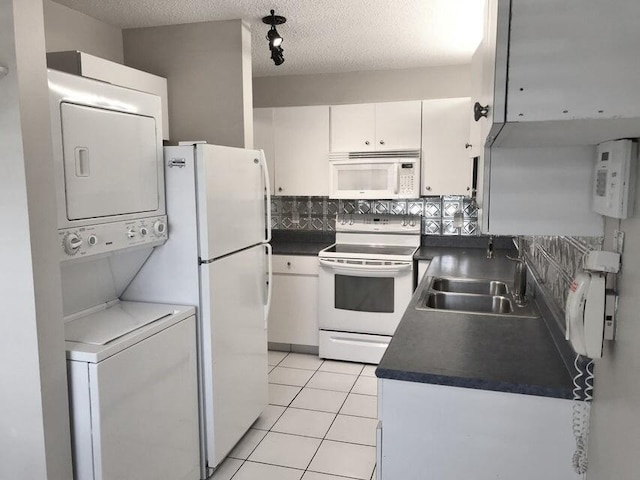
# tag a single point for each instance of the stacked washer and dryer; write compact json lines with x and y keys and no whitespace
{"x":132,"y":366}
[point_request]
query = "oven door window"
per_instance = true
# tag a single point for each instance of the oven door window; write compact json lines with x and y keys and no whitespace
{"x":364,"y":294}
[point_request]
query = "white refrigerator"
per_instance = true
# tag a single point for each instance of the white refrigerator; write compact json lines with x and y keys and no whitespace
{"x":218,"y":258}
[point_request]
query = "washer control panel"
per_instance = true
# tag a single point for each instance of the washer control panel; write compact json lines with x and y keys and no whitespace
{"x":109,"y":237}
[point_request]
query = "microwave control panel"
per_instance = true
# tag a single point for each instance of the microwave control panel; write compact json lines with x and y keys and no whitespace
{"x":408,"y":180}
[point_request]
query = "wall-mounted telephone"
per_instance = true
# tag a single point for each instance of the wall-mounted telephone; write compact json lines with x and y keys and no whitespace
{"x":586,"y":302}
{"x":585,"y":314}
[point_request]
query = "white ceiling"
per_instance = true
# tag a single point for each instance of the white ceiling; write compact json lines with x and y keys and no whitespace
{"x":324,"y":36}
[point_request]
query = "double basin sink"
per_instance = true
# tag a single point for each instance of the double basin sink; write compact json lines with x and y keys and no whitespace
{"x":488,"y":297}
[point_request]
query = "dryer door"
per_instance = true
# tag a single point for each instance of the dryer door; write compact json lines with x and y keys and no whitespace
{"x":110,"y":162}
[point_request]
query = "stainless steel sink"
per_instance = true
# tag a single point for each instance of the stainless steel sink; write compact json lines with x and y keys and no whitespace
{"x":468,"y":303}
{"x":476,"y":296}
{"x":478,"y":287}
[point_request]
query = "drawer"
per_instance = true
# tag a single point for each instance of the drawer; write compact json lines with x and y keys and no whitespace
{"x":295,"y":265}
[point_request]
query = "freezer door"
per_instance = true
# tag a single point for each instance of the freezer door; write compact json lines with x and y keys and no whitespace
{"x":144,"y":408}
{"x":111,"y":164}
{"x":231,"y":200}
{"x":234,"y":348}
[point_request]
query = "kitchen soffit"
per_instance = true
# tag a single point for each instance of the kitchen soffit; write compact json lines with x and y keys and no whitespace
{"x":325,"y":36}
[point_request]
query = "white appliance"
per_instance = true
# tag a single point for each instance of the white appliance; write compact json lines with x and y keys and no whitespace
{"x":216,"y":259}
{"x":615,"y":178}
{"x":366,"y":282}
{"x":374,"y":175}
{"x":134,"y":395}
{"x":132,"y":366}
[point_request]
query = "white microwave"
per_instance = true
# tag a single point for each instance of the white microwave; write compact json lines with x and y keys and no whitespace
{"x":355,"y":176}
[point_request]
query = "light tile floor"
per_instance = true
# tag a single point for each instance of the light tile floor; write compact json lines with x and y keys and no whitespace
{"x":320,"y":424}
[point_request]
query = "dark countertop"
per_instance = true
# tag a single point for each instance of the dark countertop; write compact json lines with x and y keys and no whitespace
{"x":488,"y":352}
{"x":286,"y":242}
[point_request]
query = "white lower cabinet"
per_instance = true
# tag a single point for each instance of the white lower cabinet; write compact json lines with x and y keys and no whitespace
{"x":293,"y":318}
{"x":423,"y":266}
{"x":435,"y":432}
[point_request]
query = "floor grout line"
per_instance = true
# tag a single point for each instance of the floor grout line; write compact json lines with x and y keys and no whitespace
{"x":324,"y":438}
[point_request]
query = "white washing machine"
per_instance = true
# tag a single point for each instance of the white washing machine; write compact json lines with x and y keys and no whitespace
{"x":132,"y":366}
{"x":133,"y":390}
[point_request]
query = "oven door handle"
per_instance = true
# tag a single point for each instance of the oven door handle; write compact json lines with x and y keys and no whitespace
{"x":364,"y":269}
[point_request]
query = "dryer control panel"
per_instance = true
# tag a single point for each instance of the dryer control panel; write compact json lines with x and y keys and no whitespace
{"x":102,"y":239}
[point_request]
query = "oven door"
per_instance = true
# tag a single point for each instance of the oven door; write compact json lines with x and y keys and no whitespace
{"x":363,"y":296}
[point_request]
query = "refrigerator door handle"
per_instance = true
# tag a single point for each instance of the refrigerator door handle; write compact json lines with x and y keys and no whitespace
{"x":265,"y":170}
{"x":269,"y":281}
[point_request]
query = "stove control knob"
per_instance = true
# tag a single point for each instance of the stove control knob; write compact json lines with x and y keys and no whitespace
{"x":159,"y":228}
{"x":132,"y":233}
{"x":72,"y":243}
{"x":92,"y":240}
{"x":143,"y":231}
{"x":412,"y":223}
{"x":351,"y":221}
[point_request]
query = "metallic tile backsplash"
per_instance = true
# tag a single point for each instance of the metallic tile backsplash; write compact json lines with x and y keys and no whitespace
{"x":556,"y":260}
{"x":319,"y":213}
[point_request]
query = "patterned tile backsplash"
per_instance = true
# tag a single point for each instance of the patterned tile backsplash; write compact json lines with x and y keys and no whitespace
{"x":556,"y":260}
{"x":319,"y":213}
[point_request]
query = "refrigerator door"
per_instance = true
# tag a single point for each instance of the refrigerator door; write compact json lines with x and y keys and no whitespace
{"x":231,"y":201}
{"x":234,"y":347}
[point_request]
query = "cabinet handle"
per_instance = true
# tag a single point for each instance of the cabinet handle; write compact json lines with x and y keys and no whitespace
{"x":428,"y":188}
{"x":479,"y":111}
{"x":279,"y":189}
{"x":367,"y":142}
{"x":468,"y":188}
{"x":289,"y":264}
{"x":381,"y":142}
{"x":467,"y":145}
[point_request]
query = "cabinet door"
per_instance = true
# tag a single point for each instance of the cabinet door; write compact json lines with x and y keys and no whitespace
{"x":446,"y":166}
{"x":301,"y":142}
{"x":474,"y":147}
{"x":398,"y":125}
{"x":353,"y":128}
{"x":263,"y":138}
{"x":293,"y":317}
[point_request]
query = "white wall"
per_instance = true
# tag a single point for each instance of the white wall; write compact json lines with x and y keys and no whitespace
{"x":67,"y":29}
{"x":615,"y":419}
{"x":362,"y":87}
{"x":34,"y":418}
{"x":206,"y":67}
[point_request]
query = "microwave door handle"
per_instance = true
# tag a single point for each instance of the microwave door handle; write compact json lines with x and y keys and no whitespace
{"x":396,"y":179}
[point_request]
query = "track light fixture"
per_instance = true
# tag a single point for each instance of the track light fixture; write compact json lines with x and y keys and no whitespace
{"x":275,"y":40}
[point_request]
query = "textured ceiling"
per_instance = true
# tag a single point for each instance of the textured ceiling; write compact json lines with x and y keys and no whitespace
{"x":324,"y":36}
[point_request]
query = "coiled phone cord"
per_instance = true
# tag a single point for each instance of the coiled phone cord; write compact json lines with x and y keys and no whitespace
{"x":583,"y":382}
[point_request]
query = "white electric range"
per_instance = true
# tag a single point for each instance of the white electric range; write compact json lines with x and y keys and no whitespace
{"x":366,"y":282}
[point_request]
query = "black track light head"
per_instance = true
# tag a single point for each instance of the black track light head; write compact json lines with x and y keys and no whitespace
{"x":274,"y":38}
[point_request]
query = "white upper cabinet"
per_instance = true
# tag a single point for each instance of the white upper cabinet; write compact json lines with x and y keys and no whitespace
{"x":376,"y":127}
{"x":446,"y":166}
{"x":398,"y":125}
{"x":301,"y":150}
{"x":353,"y":128}
{"x":263,"y":139}
{"x":538,"y":95}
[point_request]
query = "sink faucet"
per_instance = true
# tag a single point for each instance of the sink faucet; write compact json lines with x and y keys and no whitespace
{"x":490,"y":253}
{"x":520,"y":277}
